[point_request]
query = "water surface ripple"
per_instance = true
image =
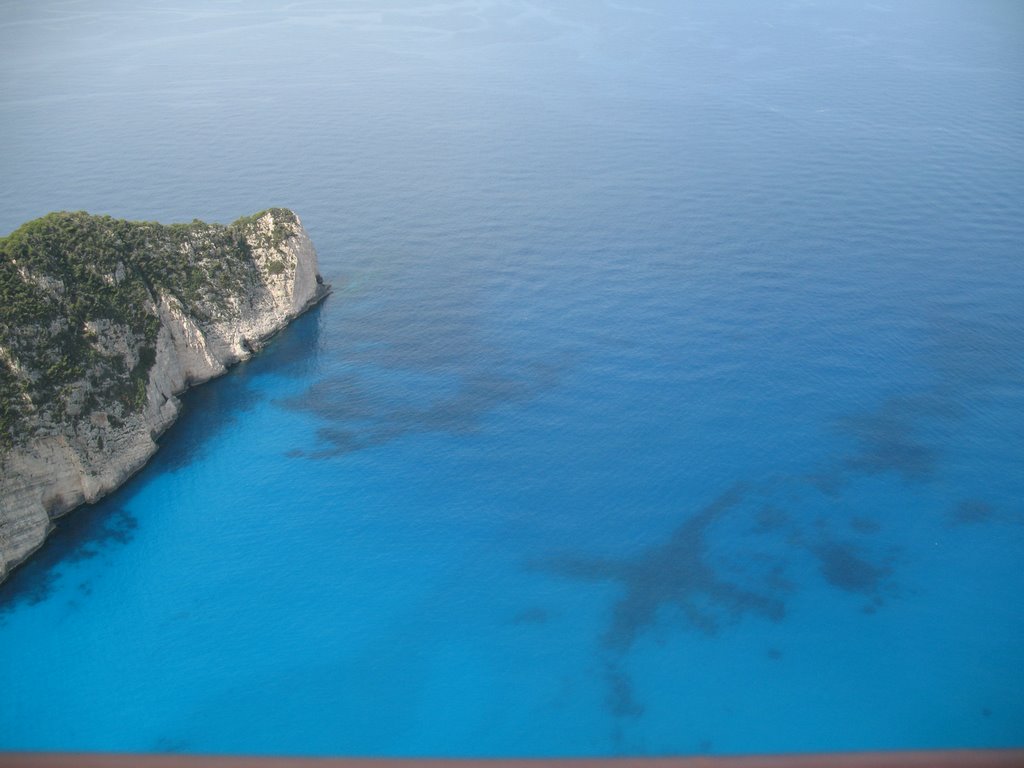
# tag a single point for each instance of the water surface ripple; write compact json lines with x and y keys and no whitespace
{"x":671,"y":399}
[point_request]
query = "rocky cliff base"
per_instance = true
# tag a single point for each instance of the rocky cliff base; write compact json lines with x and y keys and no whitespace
{"x":103,"y":323}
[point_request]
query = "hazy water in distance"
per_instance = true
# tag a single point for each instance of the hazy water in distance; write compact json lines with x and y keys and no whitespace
{"x":670,"y":399}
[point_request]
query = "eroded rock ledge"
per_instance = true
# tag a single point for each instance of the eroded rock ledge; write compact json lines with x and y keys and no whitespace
{"x":103,"y":323}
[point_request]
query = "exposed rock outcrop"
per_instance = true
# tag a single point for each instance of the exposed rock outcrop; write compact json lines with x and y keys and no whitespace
{"x":102,"y":323}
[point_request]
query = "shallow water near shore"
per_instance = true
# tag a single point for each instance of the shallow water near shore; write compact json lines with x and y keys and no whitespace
{"x":670,"y":398}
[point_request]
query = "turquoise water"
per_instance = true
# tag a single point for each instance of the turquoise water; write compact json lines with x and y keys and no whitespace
{"x":670,"y":399}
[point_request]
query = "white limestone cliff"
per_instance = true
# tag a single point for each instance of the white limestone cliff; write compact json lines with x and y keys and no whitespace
{"x":50,"y":474}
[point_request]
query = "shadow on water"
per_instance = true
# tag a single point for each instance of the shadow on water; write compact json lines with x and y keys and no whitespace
{"x":212,"y":407}
{"x":81,"y":535}
{"x":87,"y":531}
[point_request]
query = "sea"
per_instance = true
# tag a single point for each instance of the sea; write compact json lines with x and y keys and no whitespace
{"x":669,"y":400}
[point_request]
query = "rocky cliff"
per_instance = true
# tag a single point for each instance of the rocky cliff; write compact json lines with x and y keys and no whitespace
{"x":102,"y":323}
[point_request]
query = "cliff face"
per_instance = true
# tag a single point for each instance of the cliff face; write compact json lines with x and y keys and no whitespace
{"x":102,"y":323}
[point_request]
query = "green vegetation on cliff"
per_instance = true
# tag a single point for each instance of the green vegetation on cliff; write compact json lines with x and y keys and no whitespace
{"x":78,"y":305}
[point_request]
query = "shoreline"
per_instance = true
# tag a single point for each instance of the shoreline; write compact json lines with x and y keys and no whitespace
{"x":323,"y":291}
{"x":80,"y":459}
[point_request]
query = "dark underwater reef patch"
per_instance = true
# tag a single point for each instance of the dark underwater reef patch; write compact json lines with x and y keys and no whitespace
{"x":84,"y":535}
{"x":890,"y":438}
{"x":681,"y":579}
{"x":364,"y":411}
{"x":771,"y":519}
{"x":171,"y":745}
{"x":972,"y":512}
{"x":908,"y":434}
{"x":414,"y":358}
{"x":686,"y":580}
{"x":677,"y":574}
{"x":971,"y":355}
{"x":865,"y":525}
{"x":733,"y":559}
{"x":535,"y":615}
{"x":897,"y":438}
{"x":620,"y":699}
{"x":847,"y":567}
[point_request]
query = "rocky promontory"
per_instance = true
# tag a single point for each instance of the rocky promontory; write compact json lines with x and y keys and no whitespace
{"x":102,"y":323}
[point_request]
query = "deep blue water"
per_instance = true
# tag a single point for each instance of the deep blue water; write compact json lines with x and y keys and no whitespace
{"x":670,"y":400}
